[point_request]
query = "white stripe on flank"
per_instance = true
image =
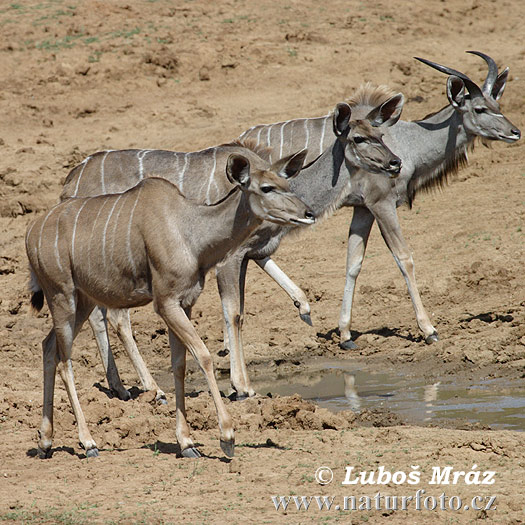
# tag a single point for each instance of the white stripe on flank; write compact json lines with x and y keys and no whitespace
{"x":115,"y":224}
{"x":84,"y":163}
{"x":307,"y":132}
{"x":75,"y":231}
{"x":102,"y":182}
{"x":105,"y":231}
{"x":212,"y":177}
{"x":140,"y":156}
{"x":128,"y":238}
{"x":258,"y":139}
{"x":92,"y":233}
{"x":181,"y":175}
{"x":42,"y":230}
{"x":322,"y":135}
{"x":282,"y":139}
{"x":57,"y":254}
{"x":268,"y":136}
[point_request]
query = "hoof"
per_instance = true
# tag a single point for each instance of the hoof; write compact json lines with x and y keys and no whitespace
{"x":348,"y":345}
{"x":306,"y":318}
{"x":191,"y":452}
{"x":228,"y":447}
{"x":241,"y":397}
{"x":44,"y":454}
{"x":161,"y":400}
{"x":122,"y":394}
{"x":432,"y":338}
{"x":92,"y":452}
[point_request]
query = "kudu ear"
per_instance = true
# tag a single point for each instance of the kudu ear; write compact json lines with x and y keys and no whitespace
{"x":290,"y":166}
{"x":238,"y":170}
{"x":388,"y":113}
{"x":499,"y":84}
{"x":342,"y":114}
{"x":455,"y":91}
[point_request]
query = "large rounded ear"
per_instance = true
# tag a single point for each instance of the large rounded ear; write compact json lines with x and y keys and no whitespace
{"x":388,"y":113}
{"x":290,"y":166}
{"x":499,"y":85}
{"x":342,"y":114}
{"x":238,"y":170}
{"x":455,"y":91}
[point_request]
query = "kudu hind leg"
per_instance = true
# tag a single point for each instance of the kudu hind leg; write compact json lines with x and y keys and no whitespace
{"x":231,"y":277}
{"x":120,"y":322}
{"x":67,"y":321}
{"x":182,"y":328}
{"x":99,"y":326}
{"x":360,"y":227}
{"x":50,"y":358}
{"x":388,"y":223}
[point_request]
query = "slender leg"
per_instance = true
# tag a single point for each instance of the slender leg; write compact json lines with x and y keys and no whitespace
{"x":360,"y":227}
{"x":99,"y":325}
{"x":231,"y":276}
{"x":178,"y":365}
{"x":50,"y":357}
{"x":119,"y":320}
{"x":177,"y":321}
{"x":67,"y":321}
{"x":388,"y":222}
{"x":296,"y":294}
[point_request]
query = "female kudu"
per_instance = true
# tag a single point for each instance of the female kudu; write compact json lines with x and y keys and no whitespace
{"x":149,"y":244}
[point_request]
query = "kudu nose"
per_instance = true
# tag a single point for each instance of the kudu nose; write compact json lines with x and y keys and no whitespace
{"x":516,"y":133}
{"x":309,"y":216}
{"x":395,"y":164}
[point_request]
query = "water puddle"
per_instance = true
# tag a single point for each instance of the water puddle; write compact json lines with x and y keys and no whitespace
{"x":499,"y":403}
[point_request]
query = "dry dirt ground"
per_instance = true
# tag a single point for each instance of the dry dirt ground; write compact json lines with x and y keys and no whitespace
{"x":78,"y":77}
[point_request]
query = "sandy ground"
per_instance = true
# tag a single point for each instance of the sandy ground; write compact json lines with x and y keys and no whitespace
{"x":78,"y":77}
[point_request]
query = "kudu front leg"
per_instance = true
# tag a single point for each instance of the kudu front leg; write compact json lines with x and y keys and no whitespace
{"x":390,"y":228}
{"x":231,"y":277}
{"x":360,"y":227}
{"x":296,"y":294}
{"x":178,"y":365}
{"x":120,"y":322}
{"x":99,"y":326}
{"x":177,"y":321}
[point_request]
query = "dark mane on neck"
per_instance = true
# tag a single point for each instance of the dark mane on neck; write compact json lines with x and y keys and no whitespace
{"x":439,"y":177}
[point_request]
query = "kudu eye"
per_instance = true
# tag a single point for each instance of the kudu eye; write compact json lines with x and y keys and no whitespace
{"x":267,"y":189}
{"x":479,"y":110}
{"x":359,"y":140}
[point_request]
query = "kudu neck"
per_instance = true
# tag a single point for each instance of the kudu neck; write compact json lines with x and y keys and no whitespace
{"x":321,"y":183}
{"x":442,"y":134}
{"x":225,"y":226}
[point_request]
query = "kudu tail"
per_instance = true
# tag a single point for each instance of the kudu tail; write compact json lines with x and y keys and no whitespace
{"x":37,"y":295}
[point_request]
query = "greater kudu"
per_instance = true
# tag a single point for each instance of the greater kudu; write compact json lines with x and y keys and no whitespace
{"x":150,"y":243}
{"x":430,"y":149}
{"x":323,"y":185}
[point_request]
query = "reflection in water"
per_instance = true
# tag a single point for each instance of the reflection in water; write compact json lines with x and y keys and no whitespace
{"x":351,"y":391}
{"x":429,"y":396}
{"x":496,"y":402}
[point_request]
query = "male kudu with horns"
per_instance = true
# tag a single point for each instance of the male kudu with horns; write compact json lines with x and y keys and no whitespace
{"x":430,"y":150}
{"x":150,"y":244}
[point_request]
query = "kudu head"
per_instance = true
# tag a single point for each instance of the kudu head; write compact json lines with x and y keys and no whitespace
{"x":268,"y":190}
{"x":479,"y":107}
{"x":363,"y":139}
